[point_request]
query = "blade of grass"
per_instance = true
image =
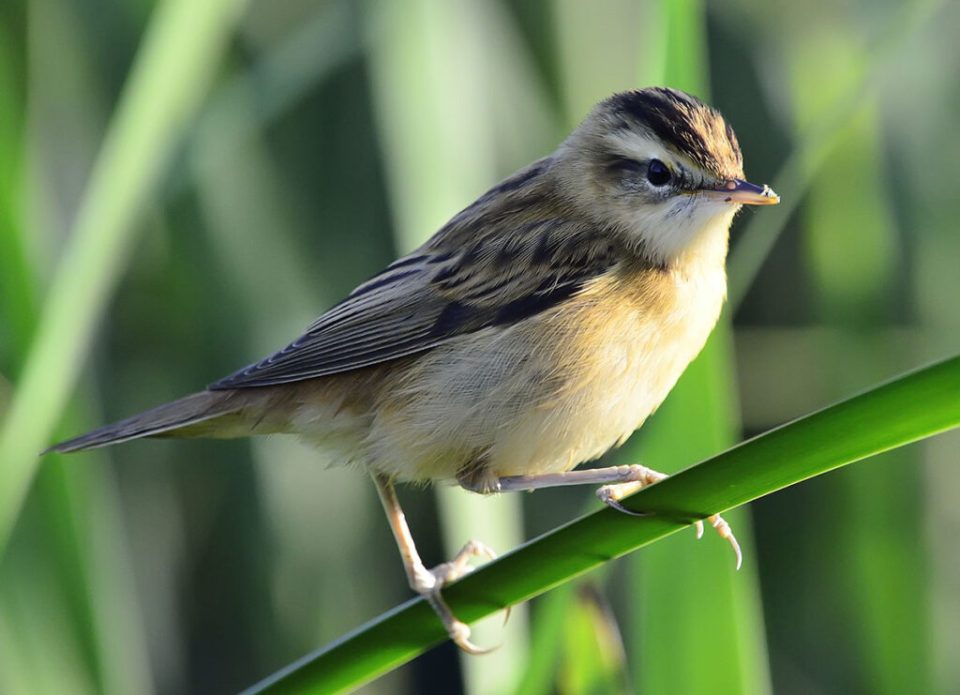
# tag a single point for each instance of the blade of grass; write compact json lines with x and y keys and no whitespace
{"x":593,"y":660}
{"x":676,"y":613}
{"x":72,"y":542}
{"x":548,"y":617}
{"x":441,"y":139}
{"x":878,"y":420}
{"x":34,"y":617}
{"x":274,"y":85}
{"x":17,"y":300}
{"x":181,"y":48}
{"x":598,"y":49}
{"x":670,"y":41}
{"x":240,"y":192}
{"x":689,"y":593}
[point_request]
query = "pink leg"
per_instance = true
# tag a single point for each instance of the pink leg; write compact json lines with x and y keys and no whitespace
{"x":618,"y":482}
{"x":429,"y":582}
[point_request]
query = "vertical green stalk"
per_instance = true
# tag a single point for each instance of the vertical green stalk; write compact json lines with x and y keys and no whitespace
{"x":317,"y":521}
{"x":597,"y":55}
{"x":697,"y":623}
{"x":669,"y":41}
{"x":441,"y":93}
{"x":72,"y":605}
{"x":17,"y":300}
{"x":594,"y":660}
{"x":182,"y":46}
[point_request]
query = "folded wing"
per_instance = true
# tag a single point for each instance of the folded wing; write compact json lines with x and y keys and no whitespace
{"x":466,"y":279}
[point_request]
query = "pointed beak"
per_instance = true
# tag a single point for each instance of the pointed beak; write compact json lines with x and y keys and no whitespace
{"x":743,"y":193}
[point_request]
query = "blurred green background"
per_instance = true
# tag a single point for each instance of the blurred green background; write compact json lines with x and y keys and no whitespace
{"x":184,"y":186}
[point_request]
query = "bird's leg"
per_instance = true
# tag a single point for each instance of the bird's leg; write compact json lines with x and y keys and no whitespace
{"x":429,"y":582}
{"x":618,"y":482}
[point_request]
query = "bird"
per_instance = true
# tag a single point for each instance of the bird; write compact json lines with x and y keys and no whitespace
{"x":536,"y":330}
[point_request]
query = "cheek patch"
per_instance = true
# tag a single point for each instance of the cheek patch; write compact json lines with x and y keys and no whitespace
{"x":682,"y":207}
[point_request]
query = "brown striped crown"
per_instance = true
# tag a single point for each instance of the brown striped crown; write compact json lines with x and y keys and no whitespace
{"x":683,"y":123}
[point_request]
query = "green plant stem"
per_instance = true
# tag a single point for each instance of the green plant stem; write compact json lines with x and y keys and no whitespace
{"x":873,"y":422}
{"x":183,"y":45}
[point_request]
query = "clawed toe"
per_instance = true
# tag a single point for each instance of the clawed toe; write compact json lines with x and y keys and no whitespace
{"x":460,"y":565}
{"x":723,"y":528}
{"x":460,"y":635}
{"x":614,"y":503}
{"x":611,"y":495}
{"x":429,"y":583}
{"x":433,"y":581}
{"x":458,"y":631}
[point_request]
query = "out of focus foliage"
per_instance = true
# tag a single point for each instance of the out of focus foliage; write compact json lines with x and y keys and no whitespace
{"x":273,"y":154}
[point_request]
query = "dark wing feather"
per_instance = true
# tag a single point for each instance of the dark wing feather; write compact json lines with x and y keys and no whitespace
{"x":510,"y":268}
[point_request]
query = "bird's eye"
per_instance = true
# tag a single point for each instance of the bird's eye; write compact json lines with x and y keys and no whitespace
{"x":657,"y":173}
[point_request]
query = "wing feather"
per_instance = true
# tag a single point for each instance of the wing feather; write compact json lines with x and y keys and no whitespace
{"x":489,"y":266}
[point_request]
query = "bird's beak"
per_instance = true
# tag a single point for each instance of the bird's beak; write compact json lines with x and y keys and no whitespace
{"x":743,"y":192}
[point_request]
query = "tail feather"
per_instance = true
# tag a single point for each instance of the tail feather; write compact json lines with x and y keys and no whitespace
{"x":190,"y":410}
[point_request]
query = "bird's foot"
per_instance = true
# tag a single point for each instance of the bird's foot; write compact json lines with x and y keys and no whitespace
{"x":641,"y":477}
{"x":429,"y":583}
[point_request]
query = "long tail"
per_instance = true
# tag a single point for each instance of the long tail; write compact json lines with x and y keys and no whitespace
{"x":190,"y":410}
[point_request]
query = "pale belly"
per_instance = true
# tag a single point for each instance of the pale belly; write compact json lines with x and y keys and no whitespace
{"x":512,"y":402}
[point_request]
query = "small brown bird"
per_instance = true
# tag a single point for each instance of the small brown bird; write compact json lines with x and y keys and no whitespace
{"x":536,"y":330}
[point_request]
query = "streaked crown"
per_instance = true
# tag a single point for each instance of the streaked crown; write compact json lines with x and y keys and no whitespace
{"x":683,"y":124}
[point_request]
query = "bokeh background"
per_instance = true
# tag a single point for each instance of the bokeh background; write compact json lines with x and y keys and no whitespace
{"x":197,"y":181}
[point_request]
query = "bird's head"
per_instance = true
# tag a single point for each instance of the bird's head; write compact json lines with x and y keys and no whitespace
{"x":664,"y":168}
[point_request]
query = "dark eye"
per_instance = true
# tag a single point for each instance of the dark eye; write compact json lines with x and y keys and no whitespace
{"x":657,"y":173}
